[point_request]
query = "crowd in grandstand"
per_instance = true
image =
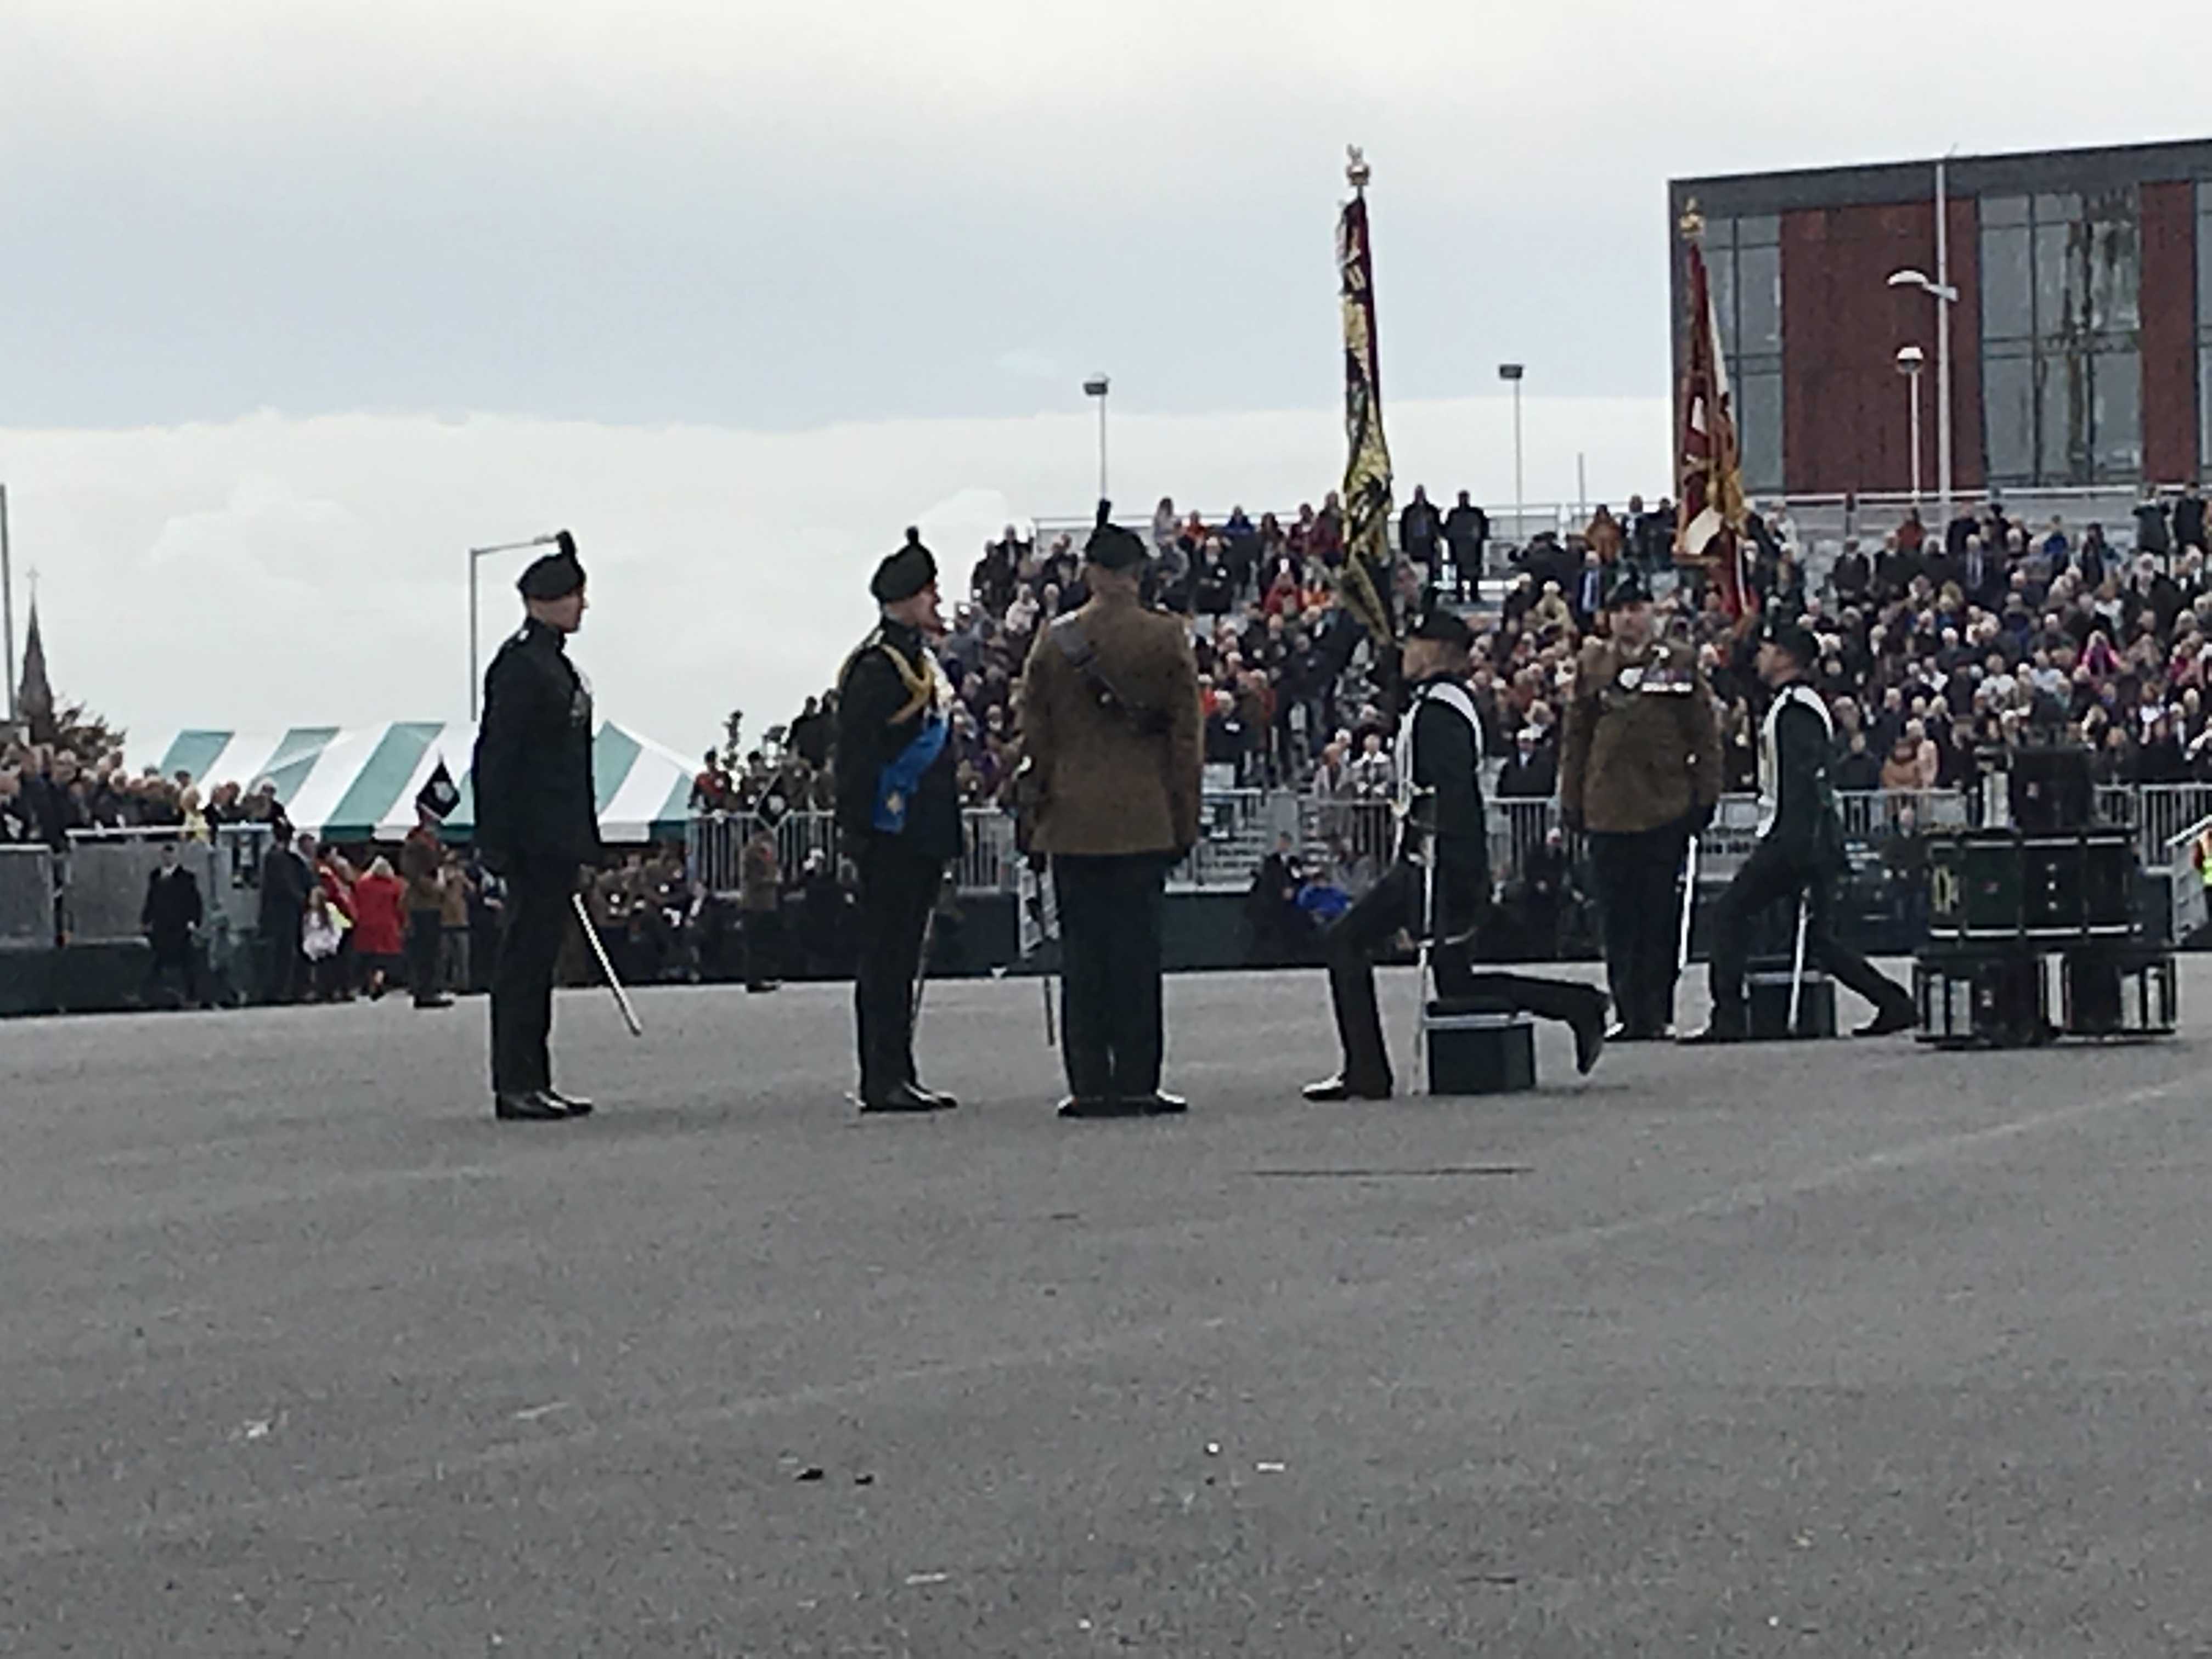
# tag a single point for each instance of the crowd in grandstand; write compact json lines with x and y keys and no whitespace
{"x":1943,"y":646}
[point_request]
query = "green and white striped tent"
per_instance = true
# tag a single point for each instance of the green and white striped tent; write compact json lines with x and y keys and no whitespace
{"x":359,"y":783}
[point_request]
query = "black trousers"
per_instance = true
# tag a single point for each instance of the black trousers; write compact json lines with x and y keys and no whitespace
{"x":898,"y":888}
{"x":426,"y":935}
{"x":284,"y":964}
{"x":1356,"y":937}
{"x":1635,"y":875}
{"x":764,"y":947}
{"x":533,"y":926}
{"x":1769,"y":876}
{"x":1113,"y":1037}
{"x":176,"y":952}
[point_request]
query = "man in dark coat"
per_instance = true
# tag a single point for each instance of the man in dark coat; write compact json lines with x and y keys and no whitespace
{"x":536,"y":823}
{"x":1439,"y":768}
{"x":898,"y":807}
{"x":1800,"y":851}
{"x":285,"y":879}
{"x":172,"y":912}
{"x":1466,"y":527}
{"x":1111,"y":768}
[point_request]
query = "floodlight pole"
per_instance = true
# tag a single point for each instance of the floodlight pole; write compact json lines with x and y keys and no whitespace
{"x":1098,"y":387}
{"x":1945,"y":298}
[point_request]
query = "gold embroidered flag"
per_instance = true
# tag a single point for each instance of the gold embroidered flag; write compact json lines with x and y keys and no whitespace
{"x":1363,"y":585}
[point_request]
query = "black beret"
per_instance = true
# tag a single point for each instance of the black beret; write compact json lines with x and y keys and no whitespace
{"x":1787,"y":636}
{"x":1111,"y":546}
{"x":1445,"y":628}
{"x":1628,"y":590}
{"x":905,"y":574}
{"x":556,"y":575}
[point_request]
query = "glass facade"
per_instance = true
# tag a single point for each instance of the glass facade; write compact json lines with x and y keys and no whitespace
{"x":1743,"y":259}
{"x":2062,"y":311}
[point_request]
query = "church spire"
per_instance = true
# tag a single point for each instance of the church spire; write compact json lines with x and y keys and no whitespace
{"x":34,"y":701}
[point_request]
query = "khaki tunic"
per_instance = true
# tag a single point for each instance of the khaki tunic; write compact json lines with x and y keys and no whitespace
{"x":1103,"y":787}
{"x":1643,"y":745}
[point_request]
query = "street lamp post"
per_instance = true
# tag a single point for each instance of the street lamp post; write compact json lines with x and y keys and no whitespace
{"x":476,"y":682}
{"x":1513,"y":372}
{"x":1095,"y":386}
{"x":1946,"y":296}
{"x":1909,"y":361}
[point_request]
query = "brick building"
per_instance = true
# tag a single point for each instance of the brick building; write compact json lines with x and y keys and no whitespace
{"x":2081,"y":339}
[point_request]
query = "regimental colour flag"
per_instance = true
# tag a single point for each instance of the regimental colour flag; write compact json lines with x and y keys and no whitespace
{"x":1708,"y":460}
{"x":1363,"y":585}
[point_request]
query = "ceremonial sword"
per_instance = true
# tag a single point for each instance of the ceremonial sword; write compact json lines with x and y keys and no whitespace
{"x":600,"y":951}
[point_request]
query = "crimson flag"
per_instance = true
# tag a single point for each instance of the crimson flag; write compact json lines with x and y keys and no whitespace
{"x":1709,"y":463}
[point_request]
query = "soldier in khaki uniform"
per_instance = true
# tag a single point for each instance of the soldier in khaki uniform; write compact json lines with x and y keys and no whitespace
{"x":1110,"y":742}
{"x":1640,"y":773}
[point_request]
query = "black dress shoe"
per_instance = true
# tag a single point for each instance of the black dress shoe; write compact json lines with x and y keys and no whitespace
{"x":1331,"y":1090}
{"x":575,"y":1105}
{"x":534,"y":1107}
{"x":1158,"y":1104}
{"x":901,"y":1097}
{"x":1898,"y":1016}
{"x":938,"y":1101}
{"x":1715,"y":1034}
{"x":1100,"y":1106}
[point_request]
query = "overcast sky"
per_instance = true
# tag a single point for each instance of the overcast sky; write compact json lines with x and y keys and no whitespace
{"x":306,"y":255}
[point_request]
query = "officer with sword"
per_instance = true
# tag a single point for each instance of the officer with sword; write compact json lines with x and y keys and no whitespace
{"x":537,"y":825}
{"x":1800,"y":851}
{"x":898,"y":808}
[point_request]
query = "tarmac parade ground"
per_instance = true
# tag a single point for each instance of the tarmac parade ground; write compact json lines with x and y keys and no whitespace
{"x":1826,"y":1348}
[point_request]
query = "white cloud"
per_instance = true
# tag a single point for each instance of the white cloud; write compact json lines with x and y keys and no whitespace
{"x":269,"y":571}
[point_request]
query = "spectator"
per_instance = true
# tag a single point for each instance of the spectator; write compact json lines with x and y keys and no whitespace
{"x":1466,"y":529}
{"x":172,"y":916}
{"x":1420,"y":534}
{"x":760,"y":897}
{"x":1532,"y":773}
{"x":379,"y":902}
{"x":1603,"y":535}
{"x":285,"y":881}
{"x":321,"y":933}
{"x":421,"y":865}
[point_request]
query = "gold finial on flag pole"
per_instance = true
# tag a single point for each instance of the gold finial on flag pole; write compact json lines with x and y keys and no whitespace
{"x":1692,"y":223}
{"x":1355,"y":170}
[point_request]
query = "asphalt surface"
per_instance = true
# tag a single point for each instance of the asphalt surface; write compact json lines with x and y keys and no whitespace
{"x":1815,"y":1348}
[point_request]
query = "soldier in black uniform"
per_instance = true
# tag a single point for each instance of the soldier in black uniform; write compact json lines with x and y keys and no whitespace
{"x":1800,"y":850}
{"x":899,"y":812}
{"x":1439,"y":785}
{"x":537,"y":822}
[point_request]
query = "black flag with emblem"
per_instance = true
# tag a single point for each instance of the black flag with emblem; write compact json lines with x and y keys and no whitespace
{"x":439,"y":794}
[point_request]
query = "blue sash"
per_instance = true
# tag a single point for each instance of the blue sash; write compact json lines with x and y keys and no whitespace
{"x":895,"y":782}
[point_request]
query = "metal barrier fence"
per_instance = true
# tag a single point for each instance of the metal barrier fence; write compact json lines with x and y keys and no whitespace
{"x":103,"y":879}
{"x":1239,"y":829}
{"x":27,"y":898}
{"x":714,"y":848}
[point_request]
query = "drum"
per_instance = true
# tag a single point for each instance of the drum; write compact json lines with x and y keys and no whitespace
{"x":2053,"y":886}
{"x":1970,"y":997}
{"x":1975,"y":885}
{"x":2108,"y":877}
